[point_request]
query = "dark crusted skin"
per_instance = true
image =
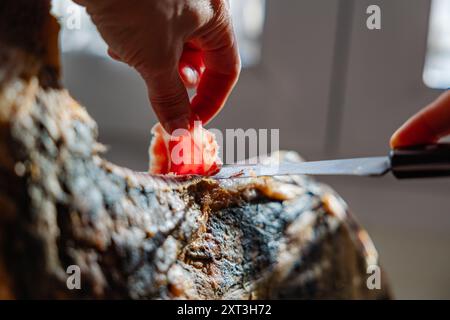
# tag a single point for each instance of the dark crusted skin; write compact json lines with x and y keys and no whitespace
{"x":138,"y":236}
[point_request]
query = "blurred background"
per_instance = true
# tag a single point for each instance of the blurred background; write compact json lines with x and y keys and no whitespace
{"x":333,"y":87}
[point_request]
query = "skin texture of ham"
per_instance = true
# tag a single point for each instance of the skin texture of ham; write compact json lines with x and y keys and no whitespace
{"x":185,"y":152}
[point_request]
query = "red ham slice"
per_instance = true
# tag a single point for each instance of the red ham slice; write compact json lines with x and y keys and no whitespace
{"x":185,"y":152}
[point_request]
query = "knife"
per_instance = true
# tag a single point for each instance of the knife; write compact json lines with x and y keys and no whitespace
{"x":422,"y":161}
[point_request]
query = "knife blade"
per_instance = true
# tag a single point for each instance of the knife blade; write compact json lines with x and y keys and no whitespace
{"x":424,"y":161}
{"x":373,"y":166}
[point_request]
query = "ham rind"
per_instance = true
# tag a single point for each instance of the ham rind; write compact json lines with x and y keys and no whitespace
{"x":185,"y":152}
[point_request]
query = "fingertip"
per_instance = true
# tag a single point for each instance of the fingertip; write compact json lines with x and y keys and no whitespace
{"x":414,"y":132}
{"x":395,"y":140}
{"x":427,"y":126}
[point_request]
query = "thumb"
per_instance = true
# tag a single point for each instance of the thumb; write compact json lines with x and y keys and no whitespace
{"x":169,"y":99}
{"x":427,"y":126}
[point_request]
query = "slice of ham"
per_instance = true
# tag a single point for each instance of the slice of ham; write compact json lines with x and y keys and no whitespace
{"x":193,"y":152}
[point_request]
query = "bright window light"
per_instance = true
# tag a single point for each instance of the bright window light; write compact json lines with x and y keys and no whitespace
{"x":78,"y":33}
{"x":437,"y":64}
{"x":248,"y":21}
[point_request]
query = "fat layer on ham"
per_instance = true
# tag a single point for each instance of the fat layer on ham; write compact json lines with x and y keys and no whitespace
{"x":185,"y":152}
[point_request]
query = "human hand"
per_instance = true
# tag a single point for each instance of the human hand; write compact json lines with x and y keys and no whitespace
{"x":427,"y":126}
{"x":174,"y":45}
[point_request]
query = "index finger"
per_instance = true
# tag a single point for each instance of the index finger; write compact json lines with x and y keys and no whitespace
{"x":427,"y":126}
{"x":222,"y":68}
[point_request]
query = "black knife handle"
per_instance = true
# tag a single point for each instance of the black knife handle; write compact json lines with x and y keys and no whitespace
{"x":424,"y":161}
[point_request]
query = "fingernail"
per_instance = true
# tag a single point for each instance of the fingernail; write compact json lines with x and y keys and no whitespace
{"x":190,"y":75}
